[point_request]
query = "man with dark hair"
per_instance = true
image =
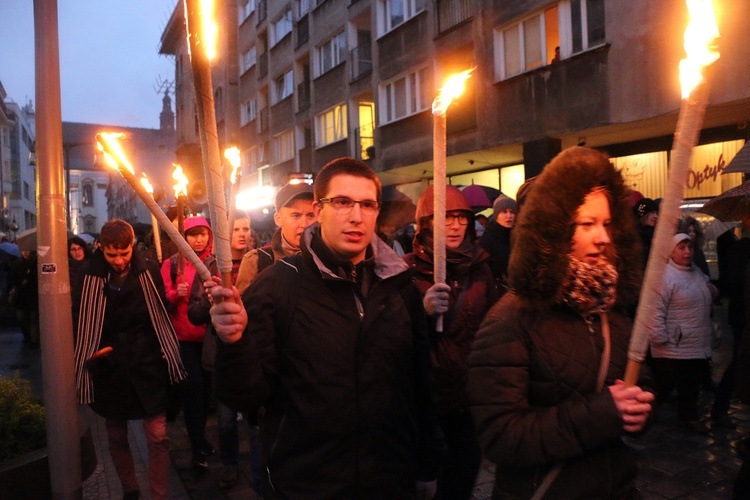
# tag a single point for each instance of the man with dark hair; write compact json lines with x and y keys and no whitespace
{"x":126,"y":352}
{"x":333,"y":344}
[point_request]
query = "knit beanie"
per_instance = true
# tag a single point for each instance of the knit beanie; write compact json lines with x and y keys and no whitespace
{"x":679,"y":238}
{"x":501,"y":203}
{"x":645,"y":206}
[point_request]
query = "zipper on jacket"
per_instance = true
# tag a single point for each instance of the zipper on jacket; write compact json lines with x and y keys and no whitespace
{"x":360,"y":309}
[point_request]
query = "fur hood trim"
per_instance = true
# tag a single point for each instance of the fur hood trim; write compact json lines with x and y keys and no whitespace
{"x":543,"y":236}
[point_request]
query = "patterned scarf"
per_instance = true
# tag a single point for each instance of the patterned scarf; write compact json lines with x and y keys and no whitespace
{"x":590,"y":289}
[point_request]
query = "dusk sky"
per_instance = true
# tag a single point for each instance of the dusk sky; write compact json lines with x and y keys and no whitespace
{"x":109,"y":60}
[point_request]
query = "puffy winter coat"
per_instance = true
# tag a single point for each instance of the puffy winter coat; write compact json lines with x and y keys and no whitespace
{"x":346,"y":385}
{"x":533,"y":368}
{"x":682,"y":327}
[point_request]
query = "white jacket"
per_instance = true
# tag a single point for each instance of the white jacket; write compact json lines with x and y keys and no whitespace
{"x":682,"y":327}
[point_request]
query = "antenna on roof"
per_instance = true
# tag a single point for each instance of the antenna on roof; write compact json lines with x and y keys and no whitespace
{"x":164,"y":86}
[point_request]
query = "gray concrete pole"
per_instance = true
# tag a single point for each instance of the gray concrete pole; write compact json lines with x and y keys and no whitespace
{"x":56,"y":328}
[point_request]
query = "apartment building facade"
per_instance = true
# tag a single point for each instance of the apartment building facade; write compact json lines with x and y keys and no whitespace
{"x":318,"y":79}
{"x":17,"y":167}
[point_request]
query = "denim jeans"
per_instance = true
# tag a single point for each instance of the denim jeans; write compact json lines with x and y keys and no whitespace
{"x":229,"y":443}
{"x":197,"y":397}
{"x":155,"y":429}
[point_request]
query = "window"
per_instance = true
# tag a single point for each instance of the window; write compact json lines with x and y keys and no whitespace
{"x":405,"y":96}
{"x":558,"y":32}
{"x":283,"y":146}
{"x":87,"y":194}
{"x":246,"y":10}
{"x":587,"y":24}
{"x":330,"y":126}
{"x":331,"y":53}
{"x":248,"y":59}
{"x":393,"y":13}
{"x":281,"y":27}
{"x":248,"y":111}
{"x":303,"y":7}
{"x":258,"y":156}
{"x":452,"y":12}
{"x":283,"y":87}
{"x":25,"y":190}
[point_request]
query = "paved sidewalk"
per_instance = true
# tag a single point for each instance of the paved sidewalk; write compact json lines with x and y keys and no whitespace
{"x":674,"y":463}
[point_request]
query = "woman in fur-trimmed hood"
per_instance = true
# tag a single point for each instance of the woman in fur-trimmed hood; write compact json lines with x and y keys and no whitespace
{"x":544,"y":232}
{"x":544,"y":368}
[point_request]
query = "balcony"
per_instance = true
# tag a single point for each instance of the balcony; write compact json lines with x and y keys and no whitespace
{"x":452,"y":12}
{"x":262,"y":10}
{"x":302,"y":31}
{"x":361,"y":59}
{"x":262,"y":65}
{"x":303,"y":96}
{"x":263,"y":120}
{"x":365,"y":144}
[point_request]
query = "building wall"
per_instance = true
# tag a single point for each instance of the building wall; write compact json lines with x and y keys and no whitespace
{"x":621,"y":95}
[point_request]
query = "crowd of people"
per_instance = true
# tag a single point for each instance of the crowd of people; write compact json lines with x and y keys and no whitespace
{"x":360,"y":376}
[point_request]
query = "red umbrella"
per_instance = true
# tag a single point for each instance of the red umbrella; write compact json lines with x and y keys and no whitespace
{"x":480,"y":197}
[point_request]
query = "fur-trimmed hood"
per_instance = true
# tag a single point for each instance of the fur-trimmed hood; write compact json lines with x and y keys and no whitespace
{"x":543,"y":235}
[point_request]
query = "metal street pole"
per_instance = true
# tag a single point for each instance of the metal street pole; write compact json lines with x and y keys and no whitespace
{"x":55,"y":319}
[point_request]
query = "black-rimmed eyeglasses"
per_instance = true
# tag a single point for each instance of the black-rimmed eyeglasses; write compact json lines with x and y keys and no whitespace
{"x":343,"y":205}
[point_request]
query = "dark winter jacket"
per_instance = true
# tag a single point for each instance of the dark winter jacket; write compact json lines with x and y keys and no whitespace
{"x":533,"y":368}
{"x":496,"y":242}
{"x":739,"y":259}
{"x":475,"y":288}
{"x":133,"y":381}
{"x":346,"y":387}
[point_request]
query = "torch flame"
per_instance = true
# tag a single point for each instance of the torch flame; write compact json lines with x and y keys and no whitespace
{"x":146,"y":185}
{"x":209,"y":28}
{"x":109,"y":144}
{"x":453,"y":88}
{"x":233,"y":155}
{"x":180,"y":189}
{"x":700,"y":40}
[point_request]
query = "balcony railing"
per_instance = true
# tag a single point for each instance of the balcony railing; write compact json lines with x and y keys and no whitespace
{"x":262,"y":11}
{"x":302,"y":30}
{"x":262,"y":65}
{"x":263,"y":120}
{"x":303,"y":96}
{"x":361,"y":58}
{"x":453,"y":12}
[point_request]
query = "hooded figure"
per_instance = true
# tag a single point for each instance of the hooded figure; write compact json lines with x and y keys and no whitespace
{"x":544,"y":363}
{"x":468,"y":294}
{"x":496,"y":238}
{"x":198,"y":387}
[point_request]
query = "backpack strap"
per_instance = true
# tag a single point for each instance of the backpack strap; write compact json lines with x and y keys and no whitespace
{"x":266,"y":258}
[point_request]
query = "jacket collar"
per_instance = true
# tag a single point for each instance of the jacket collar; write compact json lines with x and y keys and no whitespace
{"x":98,"y":265}
{"x":386,"y":262}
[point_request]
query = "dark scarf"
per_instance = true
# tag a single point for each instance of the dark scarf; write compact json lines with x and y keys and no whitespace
{"x":590,"y":289}
{"x":458,"y":260}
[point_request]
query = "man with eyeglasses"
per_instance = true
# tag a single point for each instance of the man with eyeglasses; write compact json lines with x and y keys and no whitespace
{"x":344,"y":373}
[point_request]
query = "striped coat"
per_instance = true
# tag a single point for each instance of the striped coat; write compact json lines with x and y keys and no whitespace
{"x":131,"y":318}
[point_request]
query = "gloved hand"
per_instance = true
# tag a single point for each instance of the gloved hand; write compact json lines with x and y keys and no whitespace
{"x":435,"y":301}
